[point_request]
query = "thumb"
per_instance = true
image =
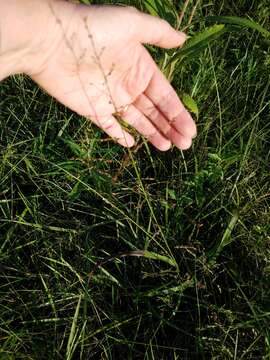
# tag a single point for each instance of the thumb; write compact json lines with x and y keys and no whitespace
{"x":155,"y":31}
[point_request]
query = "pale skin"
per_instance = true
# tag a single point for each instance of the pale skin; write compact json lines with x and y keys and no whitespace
{"x":93,"y":60}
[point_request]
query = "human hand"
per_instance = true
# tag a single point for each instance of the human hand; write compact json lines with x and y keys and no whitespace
{"x":93,"y":61}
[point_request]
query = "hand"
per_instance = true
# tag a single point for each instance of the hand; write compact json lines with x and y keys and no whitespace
{"x":96,"y":65}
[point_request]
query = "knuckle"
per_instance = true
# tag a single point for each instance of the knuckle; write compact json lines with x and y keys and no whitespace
{"x":153,"y":113}
{"x":176,"y":117}
{"x":165,"y":24}
{"x":107,"y":125}
{"x":152,"y":135}
{"x":132,"y":9}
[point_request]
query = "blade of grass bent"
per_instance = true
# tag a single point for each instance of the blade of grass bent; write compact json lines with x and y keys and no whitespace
{"x":199,"y":42}
{"x":234,"y":20}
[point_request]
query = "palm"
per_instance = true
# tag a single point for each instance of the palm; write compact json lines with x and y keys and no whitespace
{"x":98,"y":76}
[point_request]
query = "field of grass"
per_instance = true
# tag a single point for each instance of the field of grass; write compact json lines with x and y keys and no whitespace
{"x":107,"y":253}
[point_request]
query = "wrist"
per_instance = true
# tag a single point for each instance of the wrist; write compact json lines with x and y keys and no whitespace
{"x":14,"y":37}
{"x":29,"y":31}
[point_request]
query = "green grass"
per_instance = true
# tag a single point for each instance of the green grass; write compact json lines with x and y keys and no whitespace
{"x":111,"y":254}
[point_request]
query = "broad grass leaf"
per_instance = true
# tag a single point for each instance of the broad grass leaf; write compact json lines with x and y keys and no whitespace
{"x":234,"y":20}
{"x":76,"y":191}
{"x":163,"y":9}
{"x":226,"y":238}
{"x":172,"y":194}
{"x":199,"y":42}
{"x":153,"y":256}
{"x":74,"y":147}
{"x":190,"y":104}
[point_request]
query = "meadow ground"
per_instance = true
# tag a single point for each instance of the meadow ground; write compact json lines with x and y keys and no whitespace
{"x":107,"y":253}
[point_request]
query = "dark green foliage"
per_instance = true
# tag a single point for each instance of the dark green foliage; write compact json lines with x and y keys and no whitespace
{"x":75,"y":208}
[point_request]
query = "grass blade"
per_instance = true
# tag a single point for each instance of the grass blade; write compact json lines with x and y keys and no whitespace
{"x":199,"y":42}
{"x":154,"y":256}
{"x":234,"y":20}
{"x":226,"y":238}
{"x":165,"y":290}
{"x":73,"y":332}
{"x":163,"y":9}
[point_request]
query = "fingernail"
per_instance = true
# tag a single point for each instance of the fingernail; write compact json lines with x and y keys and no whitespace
{"x":127,"y":141}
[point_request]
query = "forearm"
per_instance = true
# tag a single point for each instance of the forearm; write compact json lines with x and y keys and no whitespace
{"x":23,"y":40}
{"x":14,"y":37}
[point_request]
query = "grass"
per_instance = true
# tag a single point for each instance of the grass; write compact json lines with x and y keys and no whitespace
{"x":107,"y":254}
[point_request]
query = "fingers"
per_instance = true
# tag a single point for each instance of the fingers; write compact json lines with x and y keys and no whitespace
{"x":111,"y":127}
{"x":163,"y":96}
{"x":153,"y":114}
{"x":136,"y":119}
{"x":156,"y":31}
{"x":180,"y":141}
{"x":149,"y":122}
{"x":156,"y":117}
